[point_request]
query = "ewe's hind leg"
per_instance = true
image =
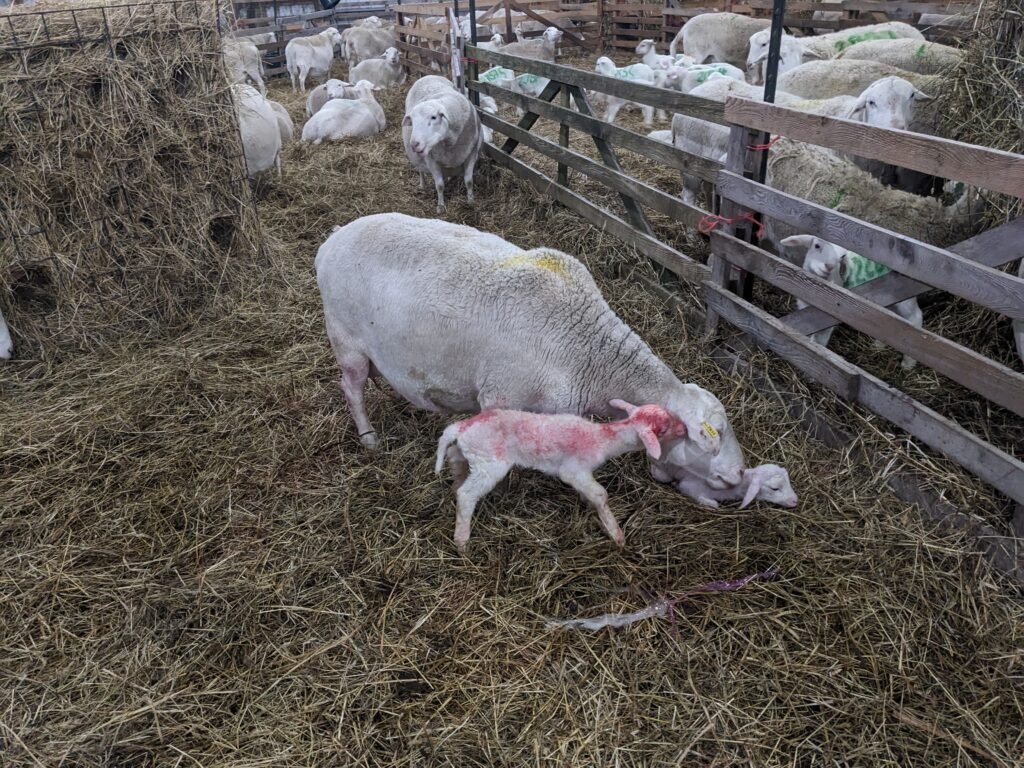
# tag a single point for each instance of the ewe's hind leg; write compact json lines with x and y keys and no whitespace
{"x":303,"y":72}
{"x":355,"y":369}
{"x":593,"y":492}
{"x":910,"y":311}
{"x":481,"y":481}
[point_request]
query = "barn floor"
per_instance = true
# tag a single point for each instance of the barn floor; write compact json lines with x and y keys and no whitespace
{"x":200,"y":565}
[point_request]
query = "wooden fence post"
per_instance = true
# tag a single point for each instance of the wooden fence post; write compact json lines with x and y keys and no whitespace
{"x":563,"y":139}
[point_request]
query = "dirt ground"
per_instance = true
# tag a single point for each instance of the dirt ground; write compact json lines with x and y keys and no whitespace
{"x":200,"y":566}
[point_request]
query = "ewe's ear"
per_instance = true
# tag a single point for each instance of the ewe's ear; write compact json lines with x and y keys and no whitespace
{"x":650,"y":441}
{"x":922,"y":96}
{"x":622,"y":405}
{"x":752,"y":491}
{"x":859,"y":106}
{"x":795,"y":240}
{"x":704,"y":435}
{"x":407,"y":121}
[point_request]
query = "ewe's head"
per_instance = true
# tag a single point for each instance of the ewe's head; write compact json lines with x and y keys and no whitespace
{"x":552,"y":35}
{"x":364,"y":90}
{"x":790,"y":55}
{"x":644,"y":46}
{"x":710,"y":442}
{"x":372,"y":21}
{"x":769,"y":482}
{"x":334,"y":36}
{"x":335,"y":89}
{"x":888,"y":103}
{"x":429,"y":123}
{"x":392,"y":55}
{"x":605,"y":66}
{"x":497,"y":39}
{"x":822,"y":258}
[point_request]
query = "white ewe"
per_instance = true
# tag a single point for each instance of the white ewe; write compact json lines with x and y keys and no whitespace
{"x":441,"y":133}
{"x":346,"y":118}
{"x":258,"y":125}
{"x":311,"y":55}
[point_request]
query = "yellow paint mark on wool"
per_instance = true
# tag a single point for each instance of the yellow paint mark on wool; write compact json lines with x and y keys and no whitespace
{"x":550,"y":262}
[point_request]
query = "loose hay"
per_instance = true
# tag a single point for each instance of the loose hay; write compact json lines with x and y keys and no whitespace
{"x":123,"y":201}
{"x":200,"y":565}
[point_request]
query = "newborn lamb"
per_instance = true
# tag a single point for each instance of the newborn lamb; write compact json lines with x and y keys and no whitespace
{"x":483,"y":449}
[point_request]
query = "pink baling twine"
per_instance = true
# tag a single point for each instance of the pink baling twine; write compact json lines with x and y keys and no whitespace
{"x":662,"y":607}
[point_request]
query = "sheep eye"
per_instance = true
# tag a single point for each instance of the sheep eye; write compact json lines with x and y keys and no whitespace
{"x":774,"y":486}
{"x":871,"y":103}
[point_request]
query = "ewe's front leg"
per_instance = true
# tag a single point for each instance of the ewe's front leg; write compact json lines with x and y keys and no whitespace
{"x":467,"y":176}
{"x":435,"y":171}
{"x":595,"y":493}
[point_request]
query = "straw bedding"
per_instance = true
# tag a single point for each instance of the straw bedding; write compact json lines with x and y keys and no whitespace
{"x":200,"y":566}
{"x":102,"y":230}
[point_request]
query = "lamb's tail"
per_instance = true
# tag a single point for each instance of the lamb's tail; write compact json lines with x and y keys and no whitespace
{"x":449,"y":436}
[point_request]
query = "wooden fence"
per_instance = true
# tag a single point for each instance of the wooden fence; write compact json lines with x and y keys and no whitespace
{"x":969,"y":269}
{"x":629,"y":21}
{"x":279,"y":19}
{"x":424,"y":34}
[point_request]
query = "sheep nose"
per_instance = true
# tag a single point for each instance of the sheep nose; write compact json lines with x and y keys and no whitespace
{"x":417,"y":147}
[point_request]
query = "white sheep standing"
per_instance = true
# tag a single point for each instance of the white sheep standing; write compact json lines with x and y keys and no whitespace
{"x":346,"y":118}
{"x":258,"y":125}
{"x":718,"y":37}
{"x":6,"y":343}
{"x":242,"y":61}
{"x":485,"y":448}
{"x":766,"y":482}
{"x":648,"y":53}
{"x":837,"y":265}
{"x":284,"y":121}
{"x":387,"y":71}
{"x":543,"y":48}
{"x":911,"y":55}
{"x":441,"y":133}
{"x":332,"y":89}
{"x":364,"y":43}
{"x":311,"y":55}
{"x":457,"y":320}
{"x":633,"y":73}
{"x":791,"y":56}
{"x":846,"y":77}
{"x":825,"y":46}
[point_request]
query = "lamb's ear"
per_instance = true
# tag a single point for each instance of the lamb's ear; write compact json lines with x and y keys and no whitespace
{"x":806,"y":56}
{"x":650,"y":441}
{"x":752,"y":491}
{"x":858,"y":107}
{"x":622,"y":405}
{"x":922,"y":96}
{"x":407,"y":121}
{"x":794,"y":240}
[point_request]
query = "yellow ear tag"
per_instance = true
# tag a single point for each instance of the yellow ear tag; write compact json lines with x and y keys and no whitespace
{"x":712,"y":432}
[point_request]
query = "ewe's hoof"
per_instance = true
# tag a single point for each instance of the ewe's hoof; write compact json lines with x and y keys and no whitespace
{"x":369,"y":440}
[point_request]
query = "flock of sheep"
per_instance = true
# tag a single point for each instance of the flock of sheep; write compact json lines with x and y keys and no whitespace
{"x":525,"y":337}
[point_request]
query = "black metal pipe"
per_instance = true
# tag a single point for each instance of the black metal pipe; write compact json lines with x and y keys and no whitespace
{"x":771,"y":76}
{"x":472,"y":21}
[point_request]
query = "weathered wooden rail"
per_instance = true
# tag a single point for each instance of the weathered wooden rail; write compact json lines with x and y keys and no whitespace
{"x":629,"y":21}
{"x":969,"y":269}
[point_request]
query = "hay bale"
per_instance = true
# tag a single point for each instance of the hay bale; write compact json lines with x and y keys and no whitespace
{"x":123,"y":201}
{"x":983,"y":102}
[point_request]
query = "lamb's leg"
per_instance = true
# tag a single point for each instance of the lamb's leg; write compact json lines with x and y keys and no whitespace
{"x":612,"y":110}
{"x":696,"y":490}
{"x":291,"y":74}
{"x":595,"y":493}
{"x":303,"y":72}
{"x":482,"y":479}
